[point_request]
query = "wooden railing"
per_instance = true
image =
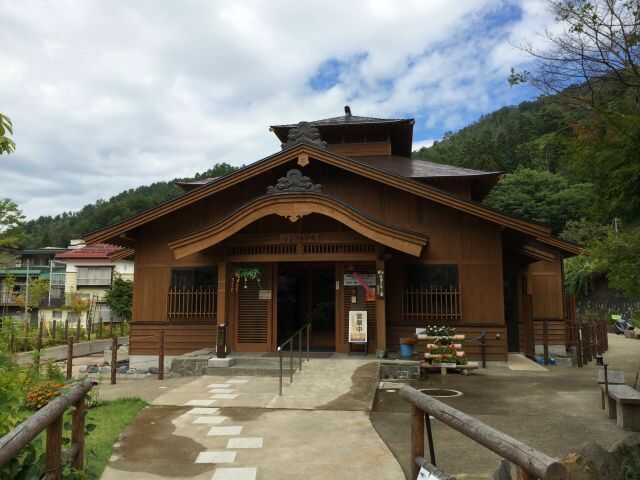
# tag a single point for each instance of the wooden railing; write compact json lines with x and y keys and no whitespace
{"x":530,"y":462}
{"x":434,"y":304}
{"x":50,"y":417}
{"x":191,"y":304}
{"x":589,"y":338}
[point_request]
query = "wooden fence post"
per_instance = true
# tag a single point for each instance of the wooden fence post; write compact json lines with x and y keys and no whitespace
{"x":77,"y":434}
{"x":100,"y":326}
{"x":417,"y":438}
{"x":114,"y":359}
{"x":66,"y":328}
{"x":38,"y":345}
{"x":78,"y":336}
{"x":53,"y":466}
{"x":161,"y":357}
{"x":69,"y":358}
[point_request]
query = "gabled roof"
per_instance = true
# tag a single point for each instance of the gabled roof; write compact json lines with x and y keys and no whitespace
{"x":537,"y":231}
{"x":400,"y":130}
{"x":90,"y":252}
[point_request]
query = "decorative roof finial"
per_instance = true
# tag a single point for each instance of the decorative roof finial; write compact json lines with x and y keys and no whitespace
{"x":304,"y":132}
{"x":347,"y":110}
{"x":294,"y":181}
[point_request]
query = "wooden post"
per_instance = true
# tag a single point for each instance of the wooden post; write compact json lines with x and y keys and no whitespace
{"x":100,"y":327}
{"x":161,"y":357}
{"x":221,"y":304}
{"x":38,"y":345}
{"x":66,"y":328}
{"x":417,"y":438}
{"x":78,"y":336}
{"x":69,"y":358}
{"x":114,"y":359}
{"x":77,"y":434}
{"x":53,"y":331}
{"x":53,"y":460}
{"x":381,"y":322}
{"x":545,"y":341}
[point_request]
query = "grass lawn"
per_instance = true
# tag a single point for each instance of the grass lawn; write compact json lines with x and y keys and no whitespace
{"x":110,"y":419}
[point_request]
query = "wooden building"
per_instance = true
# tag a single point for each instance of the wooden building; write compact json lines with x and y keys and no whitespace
{"x":340,"y":219}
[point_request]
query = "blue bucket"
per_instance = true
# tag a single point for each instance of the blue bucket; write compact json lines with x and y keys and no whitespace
{"x":406,"y":350}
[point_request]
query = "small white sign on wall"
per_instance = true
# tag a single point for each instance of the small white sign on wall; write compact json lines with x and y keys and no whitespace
{"x":264,"y":294}
{"x":358,"y":326}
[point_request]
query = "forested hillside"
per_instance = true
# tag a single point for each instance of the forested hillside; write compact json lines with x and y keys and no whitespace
{"x":58,"y":230}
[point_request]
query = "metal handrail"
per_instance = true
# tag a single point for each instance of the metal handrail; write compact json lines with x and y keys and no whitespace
{"x":289,"y":341}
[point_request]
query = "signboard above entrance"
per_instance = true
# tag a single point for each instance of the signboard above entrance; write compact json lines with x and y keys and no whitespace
{"x":350,"y":280}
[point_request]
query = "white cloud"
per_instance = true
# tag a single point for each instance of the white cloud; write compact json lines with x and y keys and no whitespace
{"x":423,"y":144}
{"x":111,"y":95}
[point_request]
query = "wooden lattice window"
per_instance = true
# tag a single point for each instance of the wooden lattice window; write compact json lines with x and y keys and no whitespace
{"x":192,"y":295}
{"x":432,"y":294}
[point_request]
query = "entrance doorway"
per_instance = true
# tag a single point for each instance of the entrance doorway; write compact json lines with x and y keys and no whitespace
{"x":306,"y":291}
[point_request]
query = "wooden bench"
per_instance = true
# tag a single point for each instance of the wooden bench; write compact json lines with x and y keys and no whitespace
{"x":623,"y":404}
{"x":614,"y":377}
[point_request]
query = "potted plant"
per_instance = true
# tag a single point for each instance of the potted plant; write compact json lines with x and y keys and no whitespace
{"x":407,"y":345}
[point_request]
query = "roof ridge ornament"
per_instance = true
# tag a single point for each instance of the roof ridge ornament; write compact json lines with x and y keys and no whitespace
{"x":304,"y":132}
{"x":295,"y":182}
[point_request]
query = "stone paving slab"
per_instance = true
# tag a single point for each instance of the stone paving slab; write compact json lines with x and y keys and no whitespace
{"x":163,"y":442}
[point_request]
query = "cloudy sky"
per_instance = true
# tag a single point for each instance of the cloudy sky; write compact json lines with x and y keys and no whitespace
{"x":106,"y":96}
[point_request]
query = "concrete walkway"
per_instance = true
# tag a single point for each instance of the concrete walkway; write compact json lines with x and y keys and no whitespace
{"x":238,"y":428}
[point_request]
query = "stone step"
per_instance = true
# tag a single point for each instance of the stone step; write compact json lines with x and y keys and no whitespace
{"x":247,"y":370}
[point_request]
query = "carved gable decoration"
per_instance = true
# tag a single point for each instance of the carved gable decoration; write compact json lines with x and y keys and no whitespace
{"x":304,"y":132}
{"x":294,"y":181}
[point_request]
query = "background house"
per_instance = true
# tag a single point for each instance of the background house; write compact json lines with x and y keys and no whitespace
{"x":22,"y":265}
{"x":89,"y":272}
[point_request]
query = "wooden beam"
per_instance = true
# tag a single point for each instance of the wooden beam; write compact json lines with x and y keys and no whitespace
{"x":532,"y":460}
{"x":295,"y":206}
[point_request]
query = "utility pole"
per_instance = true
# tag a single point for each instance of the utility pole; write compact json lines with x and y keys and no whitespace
{"x":50,"y":279}
{"x":26,"y":295}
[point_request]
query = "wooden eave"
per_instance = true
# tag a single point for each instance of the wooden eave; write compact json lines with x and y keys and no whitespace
{"x":294,"y":206}
{"x":124,"y":254}
{"x":537,"y":231}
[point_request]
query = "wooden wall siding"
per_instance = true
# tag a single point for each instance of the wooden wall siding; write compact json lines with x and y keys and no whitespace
{"x":431,"y":305}
{"x":545,"y":282}
{"x":496,"y":348}
{"x":557,"y":332}
{"x":192,"y":305}
{"x":361,"y":149}
{"x":179,"y":338}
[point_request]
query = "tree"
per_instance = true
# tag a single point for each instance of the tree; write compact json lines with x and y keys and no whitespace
{"x":619,"y":255}
{"x":596,"y":49}
{"x":38,"y":289}
{"x":6,"y":127}
{"x":541,"y":196}
{"x":120,"y":298}
{"x":11,"y":221}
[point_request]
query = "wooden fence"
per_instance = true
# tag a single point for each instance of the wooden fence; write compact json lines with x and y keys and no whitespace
{"x":191,"y":304}
{"x":530,"y":462}
{"x":434,"y":304}
{"x":50,"y":418}
{"x":588,"y":338}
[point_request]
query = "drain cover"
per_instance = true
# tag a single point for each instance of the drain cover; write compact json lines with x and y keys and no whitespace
{"x":441,"y":392}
